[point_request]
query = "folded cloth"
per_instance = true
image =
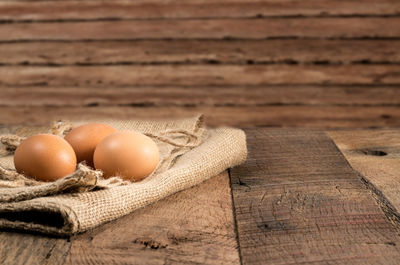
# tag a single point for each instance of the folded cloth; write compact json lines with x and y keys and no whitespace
{"x":189,"y":154}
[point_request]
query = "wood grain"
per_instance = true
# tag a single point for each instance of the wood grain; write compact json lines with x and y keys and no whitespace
{"x":205,"y":29}
{"x":56,"y":10}
{"x":281,"y":63}
{"x":298,"y":201}
{"x":297,"y":51}
{"x":273,"y":95}
{"x":198,"y":75}
{"x":251,"y":116}
{"x":191,"y":227}
{"x":30,"y":249}
{"x":375,"y":154}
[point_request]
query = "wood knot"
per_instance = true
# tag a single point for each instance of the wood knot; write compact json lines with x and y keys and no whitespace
{"x":149,"y":243}
{"x":370,"y":152}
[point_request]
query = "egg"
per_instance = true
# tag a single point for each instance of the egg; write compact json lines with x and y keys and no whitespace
{"x":130,"y":155}
{"x":85,"y":138}
{"x":45,"y":157}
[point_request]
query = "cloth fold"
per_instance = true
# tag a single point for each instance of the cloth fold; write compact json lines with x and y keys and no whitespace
{"x":190,"y":154}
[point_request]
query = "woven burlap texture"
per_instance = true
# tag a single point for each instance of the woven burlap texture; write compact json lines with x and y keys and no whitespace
{"x":83,"y":201}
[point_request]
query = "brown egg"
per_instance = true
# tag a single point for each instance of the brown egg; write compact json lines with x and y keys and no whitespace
{"x":45,"y":157}
{"x":85,"y":138}
{"x":130,"y":155}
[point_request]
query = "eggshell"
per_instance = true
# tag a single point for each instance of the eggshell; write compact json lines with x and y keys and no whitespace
{"x":85,"y":138}
{"x":45,"y":157}
{"x":130,"y":155}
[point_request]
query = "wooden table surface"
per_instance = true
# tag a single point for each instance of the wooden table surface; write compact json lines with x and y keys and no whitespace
{"x":316,"y":83}
{"x":302,"y":197}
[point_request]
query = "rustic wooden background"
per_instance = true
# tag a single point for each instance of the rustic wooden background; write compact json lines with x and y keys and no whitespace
{"x":247,"y":63}
{"x":303,"y":196}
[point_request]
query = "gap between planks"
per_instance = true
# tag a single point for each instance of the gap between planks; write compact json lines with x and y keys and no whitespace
{"x":199,"y":75}
{"x":269,"y":116}
{"x":197,"y":96}
{"x":201,"y":52}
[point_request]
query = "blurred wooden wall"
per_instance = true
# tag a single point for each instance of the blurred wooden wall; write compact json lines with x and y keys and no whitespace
{"x":248,"y":63}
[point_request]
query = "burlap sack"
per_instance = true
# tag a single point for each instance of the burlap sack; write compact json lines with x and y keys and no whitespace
{"x":190,"y":154}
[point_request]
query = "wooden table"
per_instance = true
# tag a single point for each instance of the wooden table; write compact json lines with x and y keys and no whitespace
{"x":302,"y":197}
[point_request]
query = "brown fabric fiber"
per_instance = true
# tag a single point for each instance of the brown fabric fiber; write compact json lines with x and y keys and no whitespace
{"x":190,"y":154}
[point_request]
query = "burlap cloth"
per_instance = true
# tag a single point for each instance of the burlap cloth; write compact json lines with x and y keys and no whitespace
{"x":190,"y":154}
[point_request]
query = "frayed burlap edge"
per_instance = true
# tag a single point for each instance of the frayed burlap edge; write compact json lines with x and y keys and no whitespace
{"x":83,"y":179}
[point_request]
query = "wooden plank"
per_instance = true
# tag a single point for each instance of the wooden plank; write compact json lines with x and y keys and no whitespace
{"x":195,"y":226}
{"x":67,"y":10}
{"x":22,"y":248}
{"x":198,"y":75}
{"x":337,"y":95}
{"x":205,"y":51}
{"x":248,"y":116}
{"x":375,"y":155}
{"x":205,"y":29}
{"x":298,"y":201}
